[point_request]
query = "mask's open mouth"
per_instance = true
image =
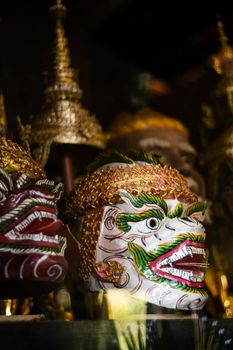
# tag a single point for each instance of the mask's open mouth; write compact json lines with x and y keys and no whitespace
{"x":33,"y":231}
{"x":180,"y":263}
{"x":185,"y":264}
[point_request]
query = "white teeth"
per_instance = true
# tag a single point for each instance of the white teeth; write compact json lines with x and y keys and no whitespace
{"x":165,"y":262}
{"x":196,"y":250}
{"x":169,"y":262}
{"x":21,"y":180}
{"x":36,"y":249}
{"x":168,"y":270}
{"x":23,"y":206}
{"x":15,"y":232}
{"x":37,"y":237}
{"x":189,"y":251}
{"x":194,"y":278}
{"x":184,"y":274}
{"x":181,"y":253}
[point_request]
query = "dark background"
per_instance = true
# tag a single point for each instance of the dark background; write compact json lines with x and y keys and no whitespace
{"x":112,"y":42}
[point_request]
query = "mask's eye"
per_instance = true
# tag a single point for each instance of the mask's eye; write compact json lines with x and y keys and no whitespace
{"x":153,"y":223}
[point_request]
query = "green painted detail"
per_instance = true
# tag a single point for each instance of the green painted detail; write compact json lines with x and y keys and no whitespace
{"x":123,"y":219}
{"x":142,"y":156}
{"x":127,"y":158}
{"x":144,"y":198}
{"x":109,"y":157}
{"x":140,"y":256}
{"x":195,"y":208}
{"x":176,"y":212}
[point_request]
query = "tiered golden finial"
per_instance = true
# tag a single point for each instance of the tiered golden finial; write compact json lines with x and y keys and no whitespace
{"x":62,"y":120}
{"x":3,"y":124}
{"x":226,"y":52}
{"x":221,"y":110}
{"x":223,"y":65}
{"x":63,"y":82}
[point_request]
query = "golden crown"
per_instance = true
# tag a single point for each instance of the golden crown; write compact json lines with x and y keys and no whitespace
{"x":143,"y":120}
{"x":62,"y":120}
{"x":14,"y":158}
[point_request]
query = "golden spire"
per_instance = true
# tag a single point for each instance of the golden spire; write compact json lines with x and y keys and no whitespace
{"x":3,"y":124}
{"x":63,"y":83}
{"x":62,"y":119}
{"x":223,"y":39}
{"x":222,"y":63}
{"x":226,"y":52}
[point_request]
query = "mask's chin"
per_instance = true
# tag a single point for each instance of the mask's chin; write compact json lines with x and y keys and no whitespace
{"x":171,"y":298}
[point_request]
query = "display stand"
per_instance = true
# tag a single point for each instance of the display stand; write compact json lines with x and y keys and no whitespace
{"x":162,"y":333}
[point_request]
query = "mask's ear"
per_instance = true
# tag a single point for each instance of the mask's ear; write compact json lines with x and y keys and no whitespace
{"x":110,"y":218}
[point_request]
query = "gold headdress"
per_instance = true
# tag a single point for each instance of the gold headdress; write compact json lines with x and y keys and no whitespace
{"x":102,"y":187}
{"x":143,"y":120}
{"x":62,"y":120}
{"x":14,"y":158}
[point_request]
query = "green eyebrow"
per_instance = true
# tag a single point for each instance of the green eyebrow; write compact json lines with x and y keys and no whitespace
{"x":195,"y":208}
{"x":144,"y":198}
{"x":123,"y":219}
{"x":176,"y":212}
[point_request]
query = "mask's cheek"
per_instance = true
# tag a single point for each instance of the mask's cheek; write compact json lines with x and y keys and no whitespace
{"x":168,"y":231}
{"x":163,"y":295}
{"x":177,"y":226}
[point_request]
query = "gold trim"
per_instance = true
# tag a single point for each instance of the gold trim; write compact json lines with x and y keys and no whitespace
{"x":90,"y":235}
